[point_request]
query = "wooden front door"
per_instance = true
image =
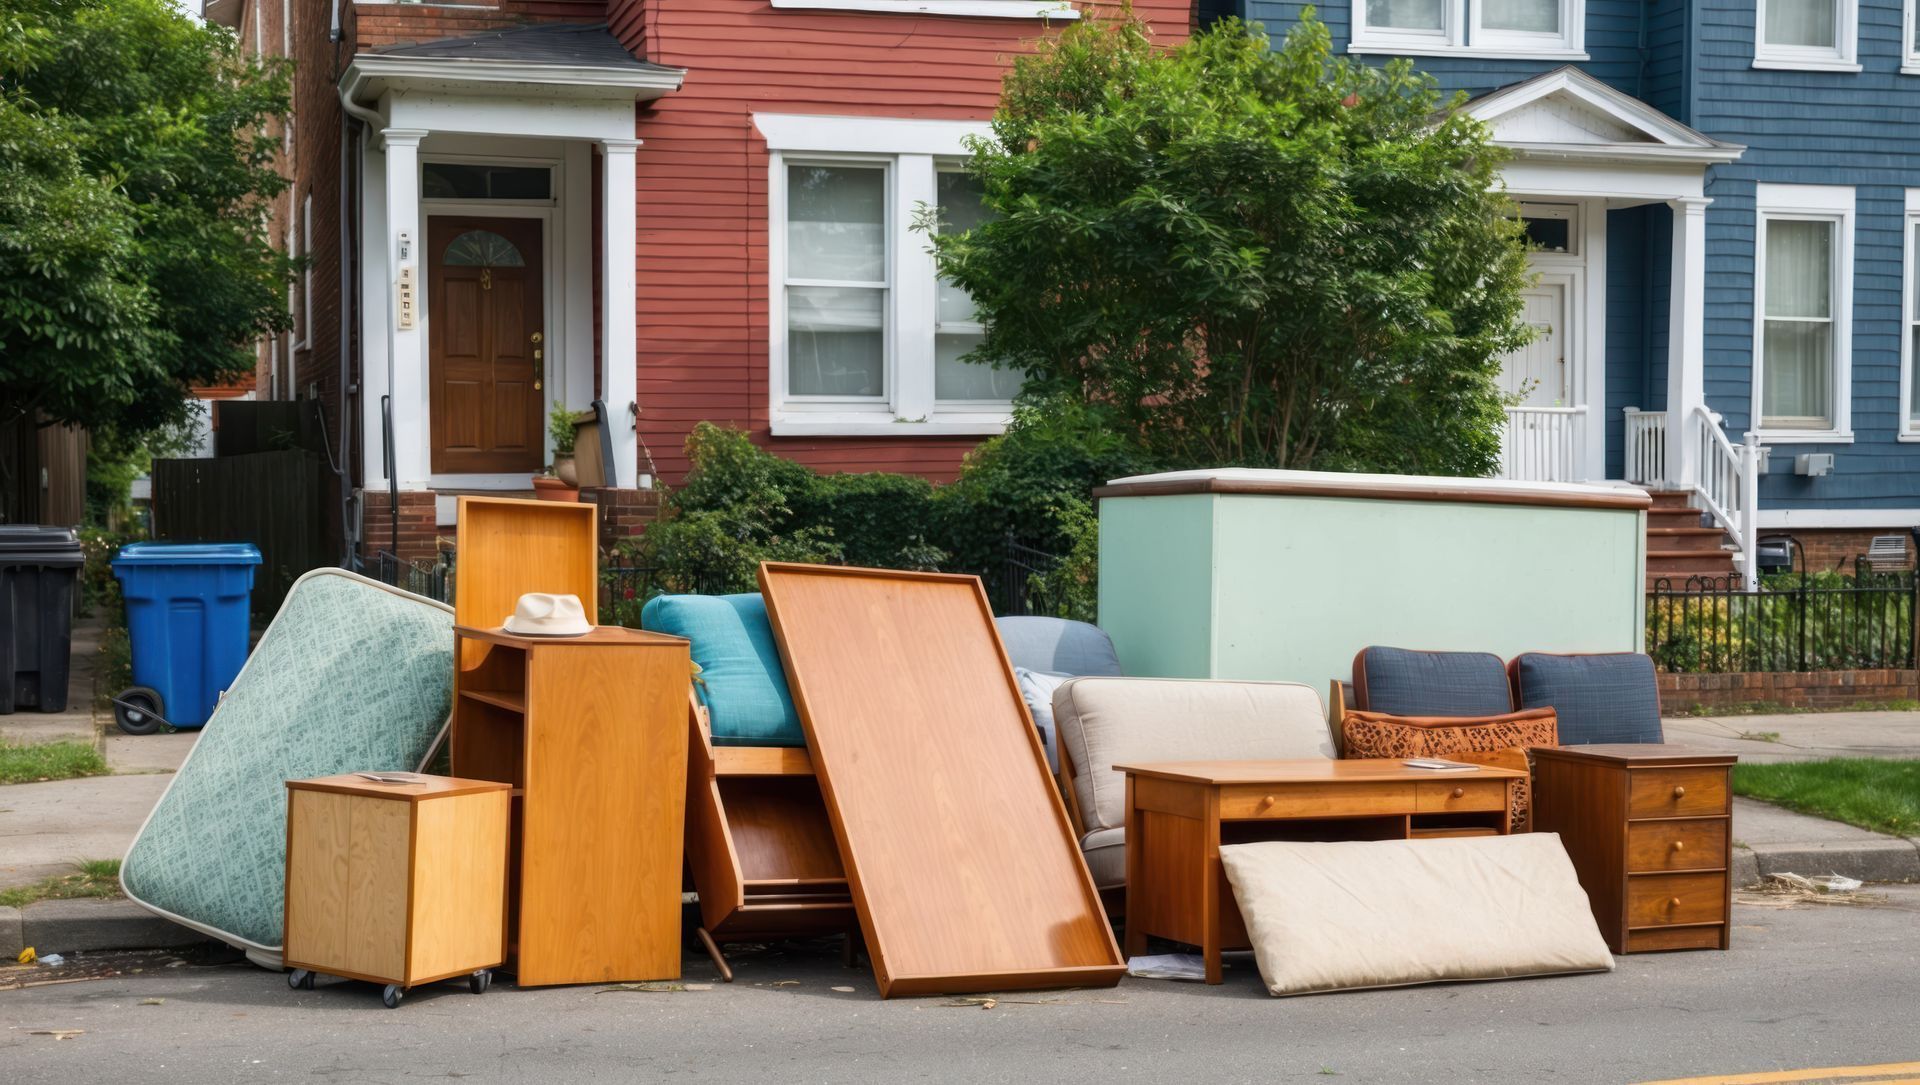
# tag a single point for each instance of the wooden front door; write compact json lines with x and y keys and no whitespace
{"x":485,"y":349}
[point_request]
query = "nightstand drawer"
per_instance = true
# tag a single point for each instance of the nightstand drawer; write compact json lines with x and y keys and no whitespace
{"x":1664,"y":900}
{"x":1666,"y":793}
{"x":1677,"y":845}
{"x":1660,"y":939}
{"x":1469,"y":795}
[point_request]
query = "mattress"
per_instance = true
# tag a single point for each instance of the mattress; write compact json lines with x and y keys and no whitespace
{"x":351,"y":676}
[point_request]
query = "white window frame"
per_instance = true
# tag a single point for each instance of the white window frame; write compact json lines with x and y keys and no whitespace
{"x":1843,"y":57}
{"x":1820,"y":203}
{"x":1462,"y":34}
{"x":912,"y":151}
{"x":1909,"y":427}
{"x":1909,"y":52}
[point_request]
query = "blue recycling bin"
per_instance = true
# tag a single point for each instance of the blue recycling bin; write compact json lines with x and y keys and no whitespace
{"x":187,"y":611}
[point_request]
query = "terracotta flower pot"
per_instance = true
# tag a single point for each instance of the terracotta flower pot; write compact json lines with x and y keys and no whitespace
{"x":553,"y":489}
{"x":563,"y":470}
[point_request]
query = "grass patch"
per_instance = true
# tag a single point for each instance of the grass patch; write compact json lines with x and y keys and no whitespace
{"x":26,"y":763}
{"x":91,"y":878}
{"x":1880,"y":795}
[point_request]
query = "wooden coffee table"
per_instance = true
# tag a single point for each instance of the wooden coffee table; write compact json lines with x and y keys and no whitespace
{"x":1179,"y":813}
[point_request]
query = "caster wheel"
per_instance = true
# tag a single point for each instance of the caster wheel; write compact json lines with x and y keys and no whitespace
{"x":139,"y":711}
{"x":391,"y":996}
{"x":480,"y":981}
{"x":300,"y":979}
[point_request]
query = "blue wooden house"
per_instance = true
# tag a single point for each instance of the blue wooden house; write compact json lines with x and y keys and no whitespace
{"x":1724,"y":199}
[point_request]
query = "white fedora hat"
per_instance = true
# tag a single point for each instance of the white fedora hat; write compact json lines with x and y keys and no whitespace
{"x":542,"y":615}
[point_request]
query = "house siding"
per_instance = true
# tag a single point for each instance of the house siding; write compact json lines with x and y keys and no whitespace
{"x":1826,"y":128}
{"x":702,"y":285}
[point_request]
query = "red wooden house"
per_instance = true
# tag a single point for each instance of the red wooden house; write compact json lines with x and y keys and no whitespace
{"x":689,"y":210}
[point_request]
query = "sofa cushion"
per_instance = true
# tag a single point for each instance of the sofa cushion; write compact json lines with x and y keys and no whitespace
{"x":1108,"y":721}
{"x":741,"y":680}
{"x":1513,"y":907}
{"x":1036,"y":688}
{"x":1057,"y":646}
{"x":1377,"y":734}
{"x":1409,"y":683}
{"x":1604,"y":697}
{"x":1106,"y":854}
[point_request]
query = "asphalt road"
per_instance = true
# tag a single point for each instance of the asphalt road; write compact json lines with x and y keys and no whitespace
{"x":1812,"y":986}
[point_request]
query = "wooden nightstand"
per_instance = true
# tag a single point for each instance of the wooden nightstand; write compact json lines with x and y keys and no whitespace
{"x":400,"y":882}
{"x":1649,"y":829}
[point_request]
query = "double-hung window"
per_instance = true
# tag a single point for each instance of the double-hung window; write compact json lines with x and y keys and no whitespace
{"x":866,"y":337}
{"x":1521,"y":28}
{"x":1817,"y":35}
{"x":1803,"y":255}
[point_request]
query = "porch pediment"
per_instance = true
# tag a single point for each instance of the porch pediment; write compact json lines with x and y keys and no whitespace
{"x":1567,"y":113}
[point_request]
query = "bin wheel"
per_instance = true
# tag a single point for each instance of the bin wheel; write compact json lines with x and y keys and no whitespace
{"x":300,"y":979}
{"x":139,"y":711}
{"x":480,"y":981}
{"x":391,"y":996}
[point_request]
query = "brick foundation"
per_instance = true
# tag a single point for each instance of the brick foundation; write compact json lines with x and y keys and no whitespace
{"x":1825,"y":690}
{"x":419,"y":533}
{"x":1828,"y":550}
{"x":624,"y":513}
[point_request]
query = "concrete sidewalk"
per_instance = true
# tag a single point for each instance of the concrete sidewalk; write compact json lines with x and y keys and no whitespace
{"x":46,"y":828}
{"x":1802,"y":736}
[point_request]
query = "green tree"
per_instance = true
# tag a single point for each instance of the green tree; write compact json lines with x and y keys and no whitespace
{"x":1246,"y":256}
{"x":136,"y":166}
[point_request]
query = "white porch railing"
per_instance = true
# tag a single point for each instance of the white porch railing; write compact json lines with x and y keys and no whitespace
{"x":1646,"y":447}
{"x":1543,"y":444}
{"x":1729,"y":484}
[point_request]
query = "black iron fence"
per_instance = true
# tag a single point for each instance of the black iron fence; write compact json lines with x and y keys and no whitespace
{"x":1794,"y":622}
{"x":624,"y":587}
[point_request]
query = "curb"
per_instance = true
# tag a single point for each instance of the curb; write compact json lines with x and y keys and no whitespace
{"x":72,"y":926}
{"x":1894,"y":859}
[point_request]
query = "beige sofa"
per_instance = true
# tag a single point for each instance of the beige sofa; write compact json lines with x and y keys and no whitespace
{"x":1107,"y":721}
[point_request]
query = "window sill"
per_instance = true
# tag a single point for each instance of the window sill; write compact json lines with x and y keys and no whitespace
{"x":1908,"y":438}
{"x":977,"y":9}
{"x":872,"y":425}
{"x":1792,"y":437}
{"x":1911,"y":67}
{"x":1782,"y":64}
{"x":1415,"y":50}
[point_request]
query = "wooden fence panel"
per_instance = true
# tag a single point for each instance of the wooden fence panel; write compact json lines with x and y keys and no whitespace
{"x":269,"y":499}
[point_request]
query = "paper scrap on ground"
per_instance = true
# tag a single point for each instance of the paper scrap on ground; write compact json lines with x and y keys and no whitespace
{"x":1168,"y":966}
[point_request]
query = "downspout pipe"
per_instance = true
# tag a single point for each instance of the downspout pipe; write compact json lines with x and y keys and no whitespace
{"x":350,"y":306}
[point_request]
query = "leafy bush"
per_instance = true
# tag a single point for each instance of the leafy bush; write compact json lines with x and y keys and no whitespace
{"x":741,"y":505}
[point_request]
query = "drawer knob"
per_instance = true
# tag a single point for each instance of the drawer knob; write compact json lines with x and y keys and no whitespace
{"x":1673,"y":902}
{"x":1268,"y":801}
{"x":1679,"y":792}
{"x":1459,"y":792}
{"x":1679,"y":845}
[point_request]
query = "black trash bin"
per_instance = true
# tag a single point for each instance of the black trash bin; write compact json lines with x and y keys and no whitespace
{"x":38,"y":566}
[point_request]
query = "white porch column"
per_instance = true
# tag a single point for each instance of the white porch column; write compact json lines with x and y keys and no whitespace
{"x":406,"y":347}
{"x":1686,"y":336}
{"x":618,"y":376}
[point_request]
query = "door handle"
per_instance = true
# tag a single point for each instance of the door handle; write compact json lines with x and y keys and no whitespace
{"x":535,"y":338}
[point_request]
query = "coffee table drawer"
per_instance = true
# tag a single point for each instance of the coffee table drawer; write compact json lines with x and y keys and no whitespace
{"x":1677,"y":845}
{"x":1664,"y":900}
{"x":1666,"y":793}
{"x":1467,"y":795}
{"x":1292,"y":800}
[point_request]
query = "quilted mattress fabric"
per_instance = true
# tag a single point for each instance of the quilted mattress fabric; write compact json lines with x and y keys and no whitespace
{"x":352,"y":676}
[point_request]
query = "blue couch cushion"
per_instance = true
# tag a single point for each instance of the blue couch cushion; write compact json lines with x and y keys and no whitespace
{"x":1608,"y":697}
{"x":741,"y":680}
{"x":1058,"y":646}
{"x":1402,"y":682}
